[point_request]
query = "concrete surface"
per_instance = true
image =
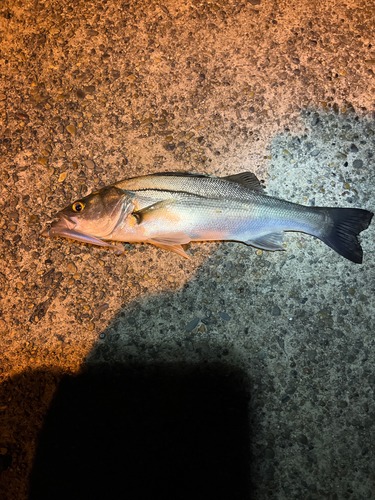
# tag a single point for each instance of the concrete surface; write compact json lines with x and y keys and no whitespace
{"x":92,"y":92}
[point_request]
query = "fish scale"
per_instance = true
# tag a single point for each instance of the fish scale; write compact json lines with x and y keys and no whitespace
{"x":214,"y":218}
{"x":159,"y":186}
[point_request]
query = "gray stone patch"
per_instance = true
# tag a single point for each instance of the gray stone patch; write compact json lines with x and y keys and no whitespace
{"x":225,"y":316}
{"x":192,"y":324}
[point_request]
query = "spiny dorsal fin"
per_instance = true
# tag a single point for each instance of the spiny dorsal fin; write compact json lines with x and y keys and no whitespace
{"x":182,"y":174}
{"x":246,"y":179}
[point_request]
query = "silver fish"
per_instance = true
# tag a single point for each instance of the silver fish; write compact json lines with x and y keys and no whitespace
{"x":172,"y":209}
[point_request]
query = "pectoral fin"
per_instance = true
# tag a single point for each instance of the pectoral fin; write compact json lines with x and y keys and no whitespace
{"x":170,"y":241}
{"x":155,"y":211}
{"x":270,"y":241}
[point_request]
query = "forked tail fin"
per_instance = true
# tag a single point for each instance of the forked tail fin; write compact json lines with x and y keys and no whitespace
{"x":343,"y":235}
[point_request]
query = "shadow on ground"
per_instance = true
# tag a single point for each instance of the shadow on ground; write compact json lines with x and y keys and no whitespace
{"x":178,"y":432}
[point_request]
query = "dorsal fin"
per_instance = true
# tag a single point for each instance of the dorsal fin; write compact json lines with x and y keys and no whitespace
{"x":183,"y":174}
{"x":246,"y":179}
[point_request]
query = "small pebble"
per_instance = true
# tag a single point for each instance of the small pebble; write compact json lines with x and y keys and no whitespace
{"x":43,"y":161}
{"x":191,"y":325}
{"x":102,"y":308}
{"x":315,"y":152}
{"x":262,"y":354}
{"x":224,"y":316}
{"x":71,"y":129}
{"x":276,"y":311}
{"x":302,"y":439}
{"x":22,"y":116}
{"x":71,"y":267}
{"x":89,"y":164}
{"x":33,"y":219}
{"x":62,"y":176}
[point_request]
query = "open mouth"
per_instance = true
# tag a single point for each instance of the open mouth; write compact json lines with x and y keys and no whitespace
{"x":66,"y":228}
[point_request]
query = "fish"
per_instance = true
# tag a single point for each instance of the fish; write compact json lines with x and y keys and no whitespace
{"x":172,"y":209}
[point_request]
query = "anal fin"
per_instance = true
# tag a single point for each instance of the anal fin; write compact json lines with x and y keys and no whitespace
{"x":269,"y":241}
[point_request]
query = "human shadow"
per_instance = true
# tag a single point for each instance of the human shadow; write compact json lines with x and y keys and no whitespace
{"x":136,"y":431}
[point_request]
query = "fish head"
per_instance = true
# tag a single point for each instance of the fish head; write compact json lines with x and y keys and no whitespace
{"x":93,"y":217}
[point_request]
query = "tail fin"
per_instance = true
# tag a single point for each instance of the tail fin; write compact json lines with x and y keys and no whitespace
{"x":347,"y":223}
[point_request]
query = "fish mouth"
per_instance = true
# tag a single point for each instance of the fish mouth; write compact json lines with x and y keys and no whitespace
{"x":61,"y":227}
{"x":65,"y":228}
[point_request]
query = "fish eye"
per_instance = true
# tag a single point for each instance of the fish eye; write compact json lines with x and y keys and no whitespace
{"x":78,"y":206}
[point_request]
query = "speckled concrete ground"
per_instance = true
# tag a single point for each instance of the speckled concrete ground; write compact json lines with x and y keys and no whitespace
{"x":92,"y":92}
